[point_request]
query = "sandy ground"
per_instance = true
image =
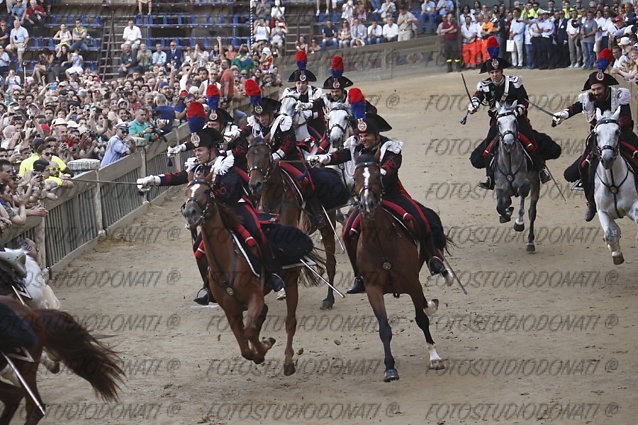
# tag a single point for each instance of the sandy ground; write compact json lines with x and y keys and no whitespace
{"x":543,"y":338}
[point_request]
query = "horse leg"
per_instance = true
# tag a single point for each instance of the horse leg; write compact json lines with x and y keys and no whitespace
{"x":292,"y":299}
{"x":33,"y":413}
{"x":447,"y":274}
{"x":611,"y":236}
{"x":533,"y":201}
{"x":502,"y":206}
{"x":235,"y":320}
{"x":252,"y":326}
{"x":10,"y":397}
{"x":519,"y":224}
{"x":375,"y":297}
{"x":633,"y":214}
{"x":424,"y":310}
{"x":328,"y":239}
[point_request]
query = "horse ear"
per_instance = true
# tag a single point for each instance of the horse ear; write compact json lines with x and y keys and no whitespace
{"x":599,"y":114}
{"x":616,"y":114}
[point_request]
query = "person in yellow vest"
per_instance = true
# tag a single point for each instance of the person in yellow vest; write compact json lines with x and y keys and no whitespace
{"x":44,"y":151}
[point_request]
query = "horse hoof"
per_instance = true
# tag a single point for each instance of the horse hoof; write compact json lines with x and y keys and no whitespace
{"x":391,"y":375}
{"x":327,"y":304}
{"x":519,"y":227}
{"x":432,"y":307}
{"x":504,"y":219}
{"x":531,"y":248}
{"x":55,"y":368}
{"x":289,"y":369}
{"x":436,"y":365}
{"x":268,"y":342}
{"x":618,"y":259}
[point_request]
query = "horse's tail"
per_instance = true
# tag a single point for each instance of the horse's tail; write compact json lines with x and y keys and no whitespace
{"x":440,"y":239}
{"x":87,"y":357}
{"x":308,"y":277}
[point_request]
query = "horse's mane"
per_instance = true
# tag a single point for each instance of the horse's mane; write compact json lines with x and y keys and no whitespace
{"x":228,"y":216}
{"x":366,"y":157}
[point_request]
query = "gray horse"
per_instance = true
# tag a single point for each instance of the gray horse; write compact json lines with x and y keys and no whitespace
{"x":512,"y":175}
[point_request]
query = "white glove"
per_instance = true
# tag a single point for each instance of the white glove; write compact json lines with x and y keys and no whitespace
{"x":561,"y":116}
{"x":190,"y":164}
{"x":473,"y":105}
{"x":322,"y":159}
{"x":231,"y":135}
{"x":520,"y":110}
{"x":277,"y":155}
{"x":301,"y":106}
{"x":144,"y":184}
{"x":174,"y":150}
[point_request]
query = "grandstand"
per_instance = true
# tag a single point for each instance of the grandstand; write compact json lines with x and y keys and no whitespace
{"x":186,"y":22}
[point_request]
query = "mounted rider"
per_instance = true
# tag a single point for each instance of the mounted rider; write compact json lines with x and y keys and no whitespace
{"x":305,"y":93}
{"x":221,"y":121}
{"x":324,"y":187}
{"x":229,"y":190}
{"x":388,"y":152}
{"x":502,"y":89}
{"x":335,"y":97}
{"x":598,"y":94}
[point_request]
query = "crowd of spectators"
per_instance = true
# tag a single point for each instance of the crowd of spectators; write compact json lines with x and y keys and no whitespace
{"x":58,"y":115}
{"x":569,"y":36}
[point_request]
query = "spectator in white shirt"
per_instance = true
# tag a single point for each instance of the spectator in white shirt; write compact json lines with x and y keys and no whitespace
{"x":388,"y":9}
{"x":407,"y":23}
{"x":375,"y":33}
{"x":471,"y":49}
{"x":277,"y":12}
{"x":132,"y":35}
{"x":159,"y":57}
{"x":517,"y":34}
{"x":620,"y":60}
{"x":358,"y":33}
{"x":390,"y":30}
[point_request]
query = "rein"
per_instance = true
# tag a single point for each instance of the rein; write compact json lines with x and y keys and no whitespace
{"x":509,"y":174}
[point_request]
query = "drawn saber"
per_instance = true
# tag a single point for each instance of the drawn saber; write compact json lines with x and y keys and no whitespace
{"x":103,"y":182}
{"x":556,"y":183}
{"x":464,"y":119}
{"x":321,"y":277}
{"x":545,"y":111}
{"x":454,"y":274}
{"x":24,"y":383}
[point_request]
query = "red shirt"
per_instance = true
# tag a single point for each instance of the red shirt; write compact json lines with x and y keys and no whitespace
{"x":227,"y":77}
{"x":452,"y":35}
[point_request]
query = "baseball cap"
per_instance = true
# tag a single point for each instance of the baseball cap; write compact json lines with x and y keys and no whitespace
{"x":123,"y":125}
{"x":163,"y":84}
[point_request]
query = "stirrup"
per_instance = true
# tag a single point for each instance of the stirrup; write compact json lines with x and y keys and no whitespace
{"x":358,"y":287}
{"x":544,"y":175}
{"x":205,"y":299}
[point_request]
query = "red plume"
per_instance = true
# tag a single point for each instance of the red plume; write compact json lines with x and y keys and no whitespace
{"x":606,"y":53}
{"x":354,"y":95}
{"x":337,"y":63}
{"x":195,"y":109}
{"x":212,"y":90}
{"x":251,"y":88}
{"x":492,"y":42}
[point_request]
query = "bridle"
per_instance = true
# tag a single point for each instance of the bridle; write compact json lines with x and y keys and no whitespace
{"x":597,"y":149}
{"x":365,"y":187}
{"x":344,"y":129}
{"x":209,"y":199}
{"x":509,"y":174}
{"x":508,"y":132}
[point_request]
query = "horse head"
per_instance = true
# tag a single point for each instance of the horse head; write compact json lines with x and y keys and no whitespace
{"x":199,"y":200}
{"x":507,"y":124}
{"x":338,"y":126}
{"x":367,"y":184}
{"x":607,"y":133}
{"x":288,"y":103}
{"x":259,"y":166}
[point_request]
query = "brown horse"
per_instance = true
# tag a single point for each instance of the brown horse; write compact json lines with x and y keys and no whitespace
{"x":230,"y":279}
{"x":277,"y":195}
{"x":68,"y":341}
{"x":389,"y":262}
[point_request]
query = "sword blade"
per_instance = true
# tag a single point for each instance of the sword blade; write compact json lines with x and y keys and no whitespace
{"x":334,"y":231}
{"x":321,"y":277}
{"x":454,"y":274}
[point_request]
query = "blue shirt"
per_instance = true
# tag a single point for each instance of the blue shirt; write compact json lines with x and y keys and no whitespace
{"x":115,"y":149}
{"x":19,"y":10}
{"x":166,"y":113}
{"x":19,"y":35}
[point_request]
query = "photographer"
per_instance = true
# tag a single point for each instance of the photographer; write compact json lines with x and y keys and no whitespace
{"x":164,"y":113}
{"x":117,"y":146}
{"x":141,"y":127}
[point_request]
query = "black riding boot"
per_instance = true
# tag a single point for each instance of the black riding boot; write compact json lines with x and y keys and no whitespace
{"x":489,"y":183}
{"x":588,"y":188}
{"x":315,"y":208}
{"x":351,"y":249}
{"x":272,"y":266}
{"x":202,"y":265}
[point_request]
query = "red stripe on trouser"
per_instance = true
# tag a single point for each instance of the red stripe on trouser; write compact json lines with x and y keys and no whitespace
{"x":303,"y":177}
{"x":425,"y":222}
{"x":199,"y":252}
{"x":528,"y":143}
{"x":353,"y":224}
{"x":261,"y":236}
{"x":487,"y":150}
{"x":397,"y":209}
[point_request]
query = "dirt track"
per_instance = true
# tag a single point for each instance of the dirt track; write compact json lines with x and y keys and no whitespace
{"x":543,"y":338}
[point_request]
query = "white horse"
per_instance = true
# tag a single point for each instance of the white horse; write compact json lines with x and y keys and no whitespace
{"x":339,"y":128}
{"x":512,"y":176}
{"x":614,"y":185}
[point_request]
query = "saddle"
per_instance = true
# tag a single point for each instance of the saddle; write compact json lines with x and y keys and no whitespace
{"x":400,"y":216}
